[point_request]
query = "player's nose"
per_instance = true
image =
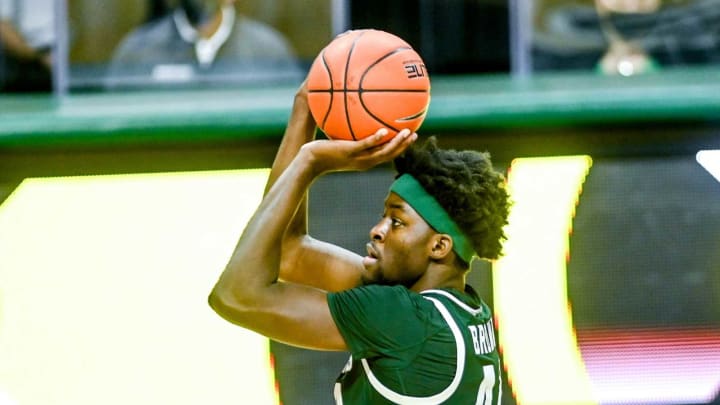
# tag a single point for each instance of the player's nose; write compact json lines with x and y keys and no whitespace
{"x":377,"y":232}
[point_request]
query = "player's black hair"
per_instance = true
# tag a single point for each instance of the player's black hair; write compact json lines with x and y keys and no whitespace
{"x":464,"y":183}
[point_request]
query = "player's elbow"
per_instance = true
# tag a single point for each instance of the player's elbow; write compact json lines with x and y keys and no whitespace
{"x":233,"y":307}
{"x":216,"y":303}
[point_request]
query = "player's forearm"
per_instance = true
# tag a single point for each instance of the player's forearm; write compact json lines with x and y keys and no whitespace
{"x":300,"y":130}
{"x":255,"y":263}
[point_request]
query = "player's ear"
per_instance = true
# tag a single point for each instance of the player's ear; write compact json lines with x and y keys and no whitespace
{"x":441,"y":246}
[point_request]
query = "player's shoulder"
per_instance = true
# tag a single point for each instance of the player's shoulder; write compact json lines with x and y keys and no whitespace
{"x":387,"y":291}
{"x":391,"y":298}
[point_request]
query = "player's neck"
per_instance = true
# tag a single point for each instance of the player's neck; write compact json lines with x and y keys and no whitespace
{"x":440,"y":276}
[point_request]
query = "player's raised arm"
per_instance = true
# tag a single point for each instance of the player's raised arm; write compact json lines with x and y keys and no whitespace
{"x":332,"y":92}
{"x":331,"y":267}
{"x":248,"y":292}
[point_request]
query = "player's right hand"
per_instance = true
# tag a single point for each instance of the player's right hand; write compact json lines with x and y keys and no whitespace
{"x":339,"y":155}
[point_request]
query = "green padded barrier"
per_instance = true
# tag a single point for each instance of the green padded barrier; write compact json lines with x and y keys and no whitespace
{"x":459,"y":103}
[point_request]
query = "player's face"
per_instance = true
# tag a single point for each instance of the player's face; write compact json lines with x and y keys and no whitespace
{"x":398,"y":251}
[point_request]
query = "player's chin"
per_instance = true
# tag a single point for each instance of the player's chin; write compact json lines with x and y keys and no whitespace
{"x":376,"y":278}
{"x":372,"y":273}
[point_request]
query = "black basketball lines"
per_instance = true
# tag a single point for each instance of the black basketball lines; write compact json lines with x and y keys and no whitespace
{"x":413,"y":70}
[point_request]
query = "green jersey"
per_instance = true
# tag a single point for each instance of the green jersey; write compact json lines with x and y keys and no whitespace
{"x":429,"y":348}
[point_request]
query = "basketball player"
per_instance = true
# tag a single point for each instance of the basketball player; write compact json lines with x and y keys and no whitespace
{"x":416,"y":332}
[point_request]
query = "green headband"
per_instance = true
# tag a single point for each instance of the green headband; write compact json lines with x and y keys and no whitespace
{"x":410,"y":190}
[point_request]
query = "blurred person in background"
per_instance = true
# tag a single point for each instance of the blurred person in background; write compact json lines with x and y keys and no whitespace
{"x":27,"y":37}
{"x":200,"y":41}
{"x":573,"y":35}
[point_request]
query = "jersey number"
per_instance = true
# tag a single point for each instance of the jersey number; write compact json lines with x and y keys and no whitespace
{"x":485,"y":393}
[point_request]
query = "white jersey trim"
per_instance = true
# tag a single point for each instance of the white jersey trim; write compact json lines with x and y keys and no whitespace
{"x":337,"y":393}
{"x":447,"y":392}
{"x":454,"y":299}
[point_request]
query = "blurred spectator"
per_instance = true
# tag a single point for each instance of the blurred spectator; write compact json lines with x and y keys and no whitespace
{"x":569,"y":35}
{"x":202,"y":41}
{"x":157,"y":9}
{"x":27,"y":36}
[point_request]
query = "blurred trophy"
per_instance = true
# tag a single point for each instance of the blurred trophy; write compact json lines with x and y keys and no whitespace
{"x":623,"y":56}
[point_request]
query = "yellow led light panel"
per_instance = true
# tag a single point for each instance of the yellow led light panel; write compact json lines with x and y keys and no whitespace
{"x":103,"y":291}
{"x":536,"y":334}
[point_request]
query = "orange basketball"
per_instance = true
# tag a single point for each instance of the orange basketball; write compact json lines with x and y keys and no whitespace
{"x":365,"y":80}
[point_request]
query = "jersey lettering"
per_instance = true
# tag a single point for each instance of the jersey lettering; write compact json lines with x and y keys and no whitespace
{"x":483,"y":337}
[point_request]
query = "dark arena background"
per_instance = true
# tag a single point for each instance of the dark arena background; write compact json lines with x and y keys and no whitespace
{"x":121,"y":198}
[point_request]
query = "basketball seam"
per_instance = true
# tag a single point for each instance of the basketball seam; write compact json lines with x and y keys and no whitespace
{"x":351,"y":97}
{"x":362,"y":78}
{"x":345,"y":84}
{"x":368,"y":91}
{"x":329,"y":73}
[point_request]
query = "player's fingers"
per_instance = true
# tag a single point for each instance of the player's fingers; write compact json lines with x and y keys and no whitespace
{"x":406,"y":138}
{"x":370,"y":143}
{"x":372,"y":140}
{"x":395,"y":146}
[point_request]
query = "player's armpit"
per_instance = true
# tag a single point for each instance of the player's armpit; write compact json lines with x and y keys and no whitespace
{"x":293,"y":314}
